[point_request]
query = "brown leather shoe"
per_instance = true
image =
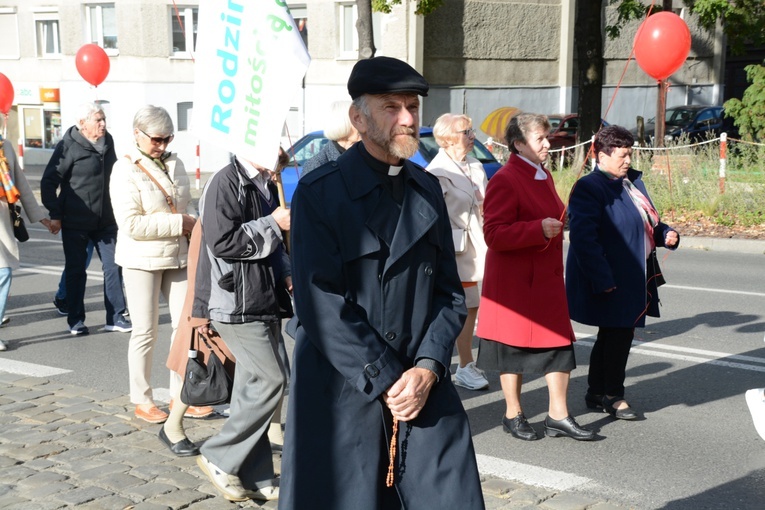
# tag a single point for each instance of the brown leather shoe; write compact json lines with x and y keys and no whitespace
{"x":195,"y":412}
{"x":151,"y":414}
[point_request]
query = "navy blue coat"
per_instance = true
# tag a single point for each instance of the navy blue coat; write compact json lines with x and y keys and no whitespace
{"x":608,"y":250}
{"x":373,"y":296}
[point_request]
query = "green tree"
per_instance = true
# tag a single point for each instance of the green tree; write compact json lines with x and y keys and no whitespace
{"x":743,"y":22}
{"x":749,"y":111}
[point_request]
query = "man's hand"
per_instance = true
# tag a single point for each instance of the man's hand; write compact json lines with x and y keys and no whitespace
{"x":282,"y":217}
{"x":288,"y":284}
{"x":408,"y":395}
{"x":54,"y":226}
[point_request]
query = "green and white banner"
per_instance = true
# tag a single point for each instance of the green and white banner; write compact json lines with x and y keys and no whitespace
{"x":249,"y":65}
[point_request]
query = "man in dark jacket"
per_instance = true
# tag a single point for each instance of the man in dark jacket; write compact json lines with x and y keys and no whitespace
{"x":242,"y":260}
{"x":374,"y":421}
{"x":75,"y":189}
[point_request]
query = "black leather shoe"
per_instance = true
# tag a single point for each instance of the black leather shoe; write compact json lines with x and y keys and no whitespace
{"x":519,"y":427}
{"x":621,"y":414}
{"x":567,"y":427}
{"x":183,"y":448}
{"x":593,"y":400}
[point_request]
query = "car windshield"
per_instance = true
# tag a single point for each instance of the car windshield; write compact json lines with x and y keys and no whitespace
{"x":554,"y":122}
{"x":307,"y":148}
{"x":429,"y":149}
{"x":679,"y":116}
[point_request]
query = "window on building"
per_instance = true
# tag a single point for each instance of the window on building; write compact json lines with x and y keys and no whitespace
{"x":185,"y":110}
{"x":300,"y":15}
{"x":101,"y":20}
{"x":46,"y":29}
{"x":183,"y":25}
{"x":9,"y":33}
{"x":348,"y":46}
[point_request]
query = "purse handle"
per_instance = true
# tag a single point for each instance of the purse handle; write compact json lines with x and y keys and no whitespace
{"x":168,"y":199}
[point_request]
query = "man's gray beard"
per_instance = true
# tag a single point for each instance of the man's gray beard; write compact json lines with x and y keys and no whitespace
{"x":402,"y":149}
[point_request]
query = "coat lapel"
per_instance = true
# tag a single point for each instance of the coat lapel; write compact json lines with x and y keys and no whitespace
{"x":417,"y":215}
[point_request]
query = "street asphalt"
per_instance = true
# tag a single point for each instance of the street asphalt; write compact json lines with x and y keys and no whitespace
{"x":63,"y":446}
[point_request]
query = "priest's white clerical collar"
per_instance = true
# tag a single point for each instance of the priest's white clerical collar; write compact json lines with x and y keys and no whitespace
{"x":541,"y":175}
{"x":394,"y":170}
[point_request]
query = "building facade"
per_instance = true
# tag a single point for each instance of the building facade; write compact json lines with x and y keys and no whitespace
{"x":478,"y":55}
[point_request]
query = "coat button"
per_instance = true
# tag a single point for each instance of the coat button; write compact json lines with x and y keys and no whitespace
{"x":390,"y":335}
{"x":379,"y":277}
{"x":371,"y":370}
{"x":428,"y":270}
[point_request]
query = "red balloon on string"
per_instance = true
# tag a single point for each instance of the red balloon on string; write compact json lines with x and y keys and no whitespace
{"x":6,"y":94}
{"x":92,"y":64}
{"x":662,"y":44}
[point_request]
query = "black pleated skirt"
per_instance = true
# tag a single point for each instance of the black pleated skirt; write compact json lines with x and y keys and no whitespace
{"x":524,"y":360}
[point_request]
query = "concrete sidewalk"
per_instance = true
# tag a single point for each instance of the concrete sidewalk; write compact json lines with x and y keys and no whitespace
{"x":63,"y":446}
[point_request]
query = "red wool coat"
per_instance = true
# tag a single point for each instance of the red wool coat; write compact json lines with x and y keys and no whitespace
{"x":523,"y":302}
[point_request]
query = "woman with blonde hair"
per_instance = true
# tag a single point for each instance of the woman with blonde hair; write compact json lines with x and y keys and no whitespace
{"x":463,"y":182}
{"x":151,"y":198}
{"x":341,"y":134}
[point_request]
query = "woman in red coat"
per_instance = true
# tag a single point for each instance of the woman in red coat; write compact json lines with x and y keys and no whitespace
{"x":524,"y":324}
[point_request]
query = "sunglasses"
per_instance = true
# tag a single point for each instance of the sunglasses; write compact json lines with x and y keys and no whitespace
{"x":158,"y":140}
{"x":467,"y":132}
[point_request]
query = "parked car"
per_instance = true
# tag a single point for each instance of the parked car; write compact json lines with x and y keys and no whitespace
{"x":310,"y":145}
{"x":563,"y":129}
{"x":698,"y":122}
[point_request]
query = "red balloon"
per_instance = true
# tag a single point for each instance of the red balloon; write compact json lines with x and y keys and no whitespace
{"x":662,"y":44}
{"x":6,"y":94}
{"x":92,"y":64}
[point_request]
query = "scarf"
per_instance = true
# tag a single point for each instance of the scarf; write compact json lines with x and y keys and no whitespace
{"x":646,"y":209}
{"x":8,"y":190}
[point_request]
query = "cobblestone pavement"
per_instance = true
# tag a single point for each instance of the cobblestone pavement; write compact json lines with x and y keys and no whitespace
{"x":65,"y":446}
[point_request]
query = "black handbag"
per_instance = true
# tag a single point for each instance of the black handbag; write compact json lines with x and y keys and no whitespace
{"x":205,"y":385}
{"x":19,"y":229}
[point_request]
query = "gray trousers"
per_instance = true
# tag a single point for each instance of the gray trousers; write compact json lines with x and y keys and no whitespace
{"x":242,"y":447}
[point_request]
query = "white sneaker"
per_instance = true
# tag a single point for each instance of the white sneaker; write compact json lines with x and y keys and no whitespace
{"x":755,"y":399}
{"x":229,"y":485}
{"x":3,"y":347}
{"x":79,"y":329}
{"x":269,"y":493}
{"x":470,"y":377}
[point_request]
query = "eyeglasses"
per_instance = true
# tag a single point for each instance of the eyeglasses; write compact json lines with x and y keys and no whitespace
{"x":158,"y":140}
{"x":467,"y":132}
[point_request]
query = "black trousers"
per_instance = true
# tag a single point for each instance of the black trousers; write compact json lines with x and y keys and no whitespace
{"x":608,"y":361}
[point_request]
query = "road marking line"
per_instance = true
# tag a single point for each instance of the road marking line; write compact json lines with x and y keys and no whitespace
{"x":689,"y":350}
{"x":531,"y":475}
{"x":29,"y":369}
{"x":694,"y":359}
{"x":723,"y":291}
{"x":55,"y":270}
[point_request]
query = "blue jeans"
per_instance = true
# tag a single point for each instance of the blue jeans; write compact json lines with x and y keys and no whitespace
{"x":76,"y":255}
{"x":5,"y":286}
{"x":61,"y":292}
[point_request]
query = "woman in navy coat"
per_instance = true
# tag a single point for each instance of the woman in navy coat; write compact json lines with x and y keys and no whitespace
{"x":612,"y":273}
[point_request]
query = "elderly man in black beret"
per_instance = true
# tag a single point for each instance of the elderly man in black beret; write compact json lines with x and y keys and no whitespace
{"x":374,"y":420}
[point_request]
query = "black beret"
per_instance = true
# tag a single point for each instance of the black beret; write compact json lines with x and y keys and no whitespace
{"x":385,"y":75}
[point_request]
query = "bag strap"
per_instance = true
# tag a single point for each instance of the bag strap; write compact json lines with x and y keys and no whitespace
{"x":168,"y":199}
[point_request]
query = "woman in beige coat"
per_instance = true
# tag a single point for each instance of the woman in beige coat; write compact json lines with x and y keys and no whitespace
{"x":152,"y":204}
{"x":463,"y":182}
{"x":9,"y":249}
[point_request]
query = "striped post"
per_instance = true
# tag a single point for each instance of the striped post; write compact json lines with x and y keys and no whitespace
{"x":199,"y":173}
{"x":723,"y":160}
{"x":20,"y":154}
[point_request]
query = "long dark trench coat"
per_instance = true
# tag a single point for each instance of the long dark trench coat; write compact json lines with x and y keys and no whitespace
{"x":366,"y":314}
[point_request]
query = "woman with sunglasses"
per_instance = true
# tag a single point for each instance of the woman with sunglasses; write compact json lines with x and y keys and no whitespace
{"x":463,"y":183}
{"x":151,"y":198}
